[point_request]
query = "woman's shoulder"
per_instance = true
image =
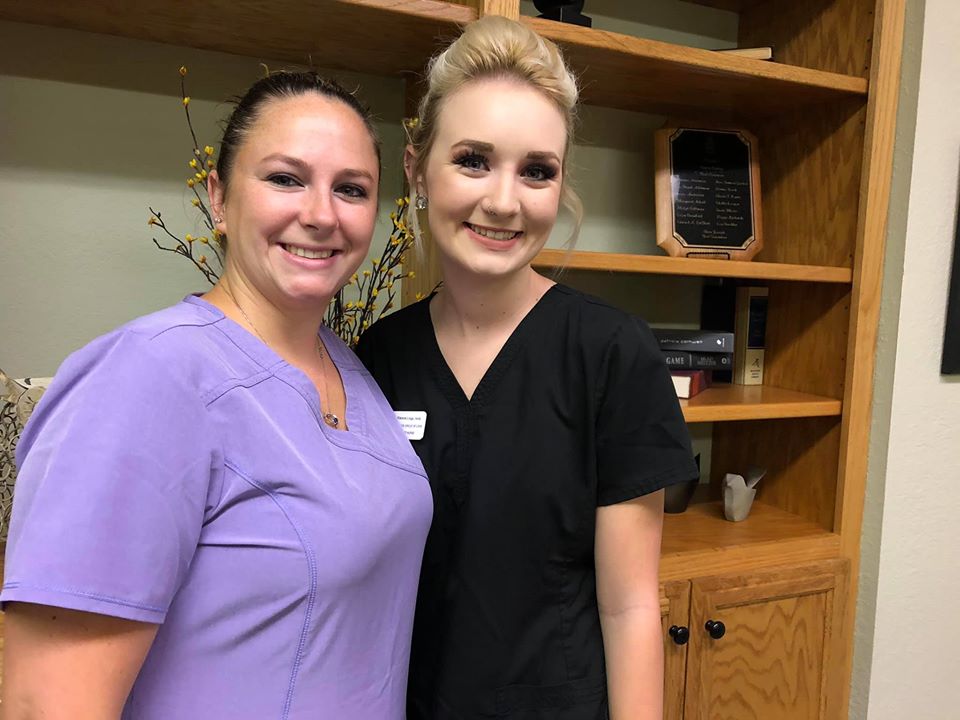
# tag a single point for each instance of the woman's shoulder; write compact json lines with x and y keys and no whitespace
{"x":401,"y":321}
{"x":172,"y":345}
{"x":594,"y":316}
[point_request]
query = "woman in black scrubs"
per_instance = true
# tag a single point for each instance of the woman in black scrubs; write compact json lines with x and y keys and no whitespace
{"x":551,"y":425}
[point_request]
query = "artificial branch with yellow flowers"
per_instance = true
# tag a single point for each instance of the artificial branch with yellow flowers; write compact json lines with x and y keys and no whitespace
{"x":369,"y":293}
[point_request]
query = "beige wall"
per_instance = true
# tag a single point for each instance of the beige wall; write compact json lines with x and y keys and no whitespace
{"x":91,"y":134}
{"x":914,"y":535}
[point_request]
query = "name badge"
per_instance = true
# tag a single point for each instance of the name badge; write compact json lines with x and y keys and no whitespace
{"x":413,"y":422}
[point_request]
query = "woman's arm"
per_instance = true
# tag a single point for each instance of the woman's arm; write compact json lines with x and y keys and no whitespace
{"x":628,"y":593}
{"x":61,"y":664}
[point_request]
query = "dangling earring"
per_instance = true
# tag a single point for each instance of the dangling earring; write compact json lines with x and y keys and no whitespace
{"x":420,"y":203}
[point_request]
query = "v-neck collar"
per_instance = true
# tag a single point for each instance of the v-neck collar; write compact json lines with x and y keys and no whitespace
{"x":447,"y":380}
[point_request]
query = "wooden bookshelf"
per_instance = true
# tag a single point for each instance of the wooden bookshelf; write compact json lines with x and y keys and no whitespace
{"x":700,"y":541}
{"x":755,"y":402}
{"x":664,"y":265}
{"x":381,"y":37}
{"x":655,"y":77}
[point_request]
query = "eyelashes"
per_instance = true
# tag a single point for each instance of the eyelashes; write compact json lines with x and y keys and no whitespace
{"x":471,"y":161}
{"x":477,"y":162}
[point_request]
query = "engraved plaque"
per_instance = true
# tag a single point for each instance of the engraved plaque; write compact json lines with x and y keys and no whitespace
{"x":708,"y":193}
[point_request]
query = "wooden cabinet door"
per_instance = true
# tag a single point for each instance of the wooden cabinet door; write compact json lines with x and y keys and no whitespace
{"x":674,"y":612}
{"x":781,"y":639}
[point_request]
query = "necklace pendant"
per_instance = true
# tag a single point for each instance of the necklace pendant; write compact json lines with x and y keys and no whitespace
{"x":331,"y":420}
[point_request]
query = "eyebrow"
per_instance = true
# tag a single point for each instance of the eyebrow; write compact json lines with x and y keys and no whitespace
{"x":488,"y":148}
{"x":304,"y":167}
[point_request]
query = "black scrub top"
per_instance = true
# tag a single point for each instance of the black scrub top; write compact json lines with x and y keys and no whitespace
{"x":577,"y":410}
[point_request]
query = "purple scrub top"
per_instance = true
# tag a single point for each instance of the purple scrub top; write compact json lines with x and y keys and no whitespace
{"x":177,"y":472}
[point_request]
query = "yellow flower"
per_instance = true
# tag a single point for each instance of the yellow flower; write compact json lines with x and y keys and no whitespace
{"x":191,"y":182}
{"x":204,"y":240}
{"x":374,"y":262}
{"x":152,"y":221}
{"x":354,"y":278}
{"x":198,"y":176}
{"x":208,"y":150}
{"x":193,"y":163}
{"x":349,"y":306}
{"x":186,"y":101}
{"x":203,"y":259}
{"x":366,"y":273}
{"x":183,"y":71}
{"x":411,"y":274}
{"x":188,"y":237}
{"x":217,"y":233}
{"x":203,"y":174}
{"x":419,"y":296}
{"x":196,"y":203}
{"x":399,"y":204}
{"x":210,"y":164}
{"x":390,"y":286}
{"x":374,"y":293}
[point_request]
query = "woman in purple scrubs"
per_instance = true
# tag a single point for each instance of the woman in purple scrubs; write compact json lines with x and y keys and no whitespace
{"x":217,"y":514}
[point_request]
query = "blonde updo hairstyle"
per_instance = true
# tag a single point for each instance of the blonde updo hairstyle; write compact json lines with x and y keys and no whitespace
{"x":496,"y":47}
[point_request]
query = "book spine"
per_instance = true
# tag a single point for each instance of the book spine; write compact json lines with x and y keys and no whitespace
{"x":685,"y":360}
{"x":703,"y":341}
{"x":750,"y":333}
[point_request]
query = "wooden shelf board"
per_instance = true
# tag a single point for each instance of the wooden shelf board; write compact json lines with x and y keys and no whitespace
{"x":664,"y":265}
{"x":385,"y":37}
{"x":729,"y":5}
{"x":756,"y":402}
{"x":393,"y":37}
{"x":650,"y":76}
{"x":701,"y":541}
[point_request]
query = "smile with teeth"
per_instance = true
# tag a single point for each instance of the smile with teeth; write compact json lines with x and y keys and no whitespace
{"x":494,"y":234}
{"x":309,"y":254}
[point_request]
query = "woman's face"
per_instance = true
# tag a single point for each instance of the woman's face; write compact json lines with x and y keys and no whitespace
{"x":493,"y":176}
{"x":301,"y":205}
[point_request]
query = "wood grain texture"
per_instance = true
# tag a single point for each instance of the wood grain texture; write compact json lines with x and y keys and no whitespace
{"x":780,"y":649}
{"x":810,"y":165}
{"x":806,"y":337}
{"x":649,"y":76}
{"x":674,"y":610}
{"x":865,"y":311}
{"x":700,"y":541}
{"x":385,"y":37}
{"x":664,"y":265}
{"x":831,"y":35}
{"x":755,"y":402}
{"x":800,"y":457}
{"x":506,"y":8}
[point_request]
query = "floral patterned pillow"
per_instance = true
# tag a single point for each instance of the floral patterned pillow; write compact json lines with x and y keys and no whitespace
{"x":17,"y":400}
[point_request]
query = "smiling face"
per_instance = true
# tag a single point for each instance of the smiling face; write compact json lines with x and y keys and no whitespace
{"x":493,"y":176}
{"x":301,"y":203}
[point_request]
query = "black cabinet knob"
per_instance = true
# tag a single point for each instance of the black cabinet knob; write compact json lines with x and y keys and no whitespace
{"x":716,"y":629}
{"x":680,"y":634}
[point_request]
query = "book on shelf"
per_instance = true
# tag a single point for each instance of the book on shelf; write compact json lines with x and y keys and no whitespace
{"x":750,"y":333}
{"x":717,"y":313}
{"x":755,"y":53}
{"x":701,"y":341}
{"x":685,"y":360}
{"x":690,"y":383}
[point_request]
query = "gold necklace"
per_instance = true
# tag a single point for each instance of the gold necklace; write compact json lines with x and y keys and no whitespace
{"x":329,"y":418}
